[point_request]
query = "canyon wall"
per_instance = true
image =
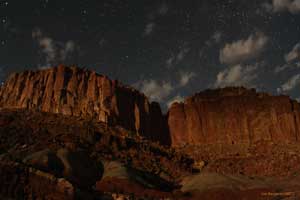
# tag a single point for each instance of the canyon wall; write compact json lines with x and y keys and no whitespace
{"x":226,"y":116}
{"x":234,"y":115}
{"x":79,"y":92}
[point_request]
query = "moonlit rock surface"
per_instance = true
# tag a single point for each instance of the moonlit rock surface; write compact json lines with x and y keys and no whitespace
{"x":78,"y":92}
{"x":234,"y":115}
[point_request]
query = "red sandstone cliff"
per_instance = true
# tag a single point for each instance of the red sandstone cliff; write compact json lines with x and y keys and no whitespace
{"x":227,"y":116}
{"x":234,"y":115}
{"x":79,"y":92}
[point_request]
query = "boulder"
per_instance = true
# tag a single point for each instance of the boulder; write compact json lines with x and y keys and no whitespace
{"x":45,"y":160}
{"x":79,"y":167}
{"x":75,"y":166}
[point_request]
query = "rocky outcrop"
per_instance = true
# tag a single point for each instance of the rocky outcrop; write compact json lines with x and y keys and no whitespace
{"x":234,"y":115}
{"x":225,"y":116}
{"x":20,"y":181}
{"x":78,"y":92}
{"x":76,"y":166}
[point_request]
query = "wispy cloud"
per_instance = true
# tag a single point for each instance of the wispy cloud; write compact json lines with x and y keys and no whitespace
{"x":292,"y":6}
{"x":161,"y":10}
{"x":161,"y":90}
{"x":186,"y":77}
{"x":294,"y":54}
{"x":174,"y":59}
{"x":290,"y":84}
{"x":54,"y":52}
{"x":170,"y":61}
{"x":281,"y":68}
{"x":243,"y":50}
{"x":292,"y":60}
{"x":176,"y":99}
{"x":149,"y":29}
{"x":156,"y":90}
{"x":237,"y":75}
{"x":102,"y":42}
{"x":182,"y":53}
{"x":214,"y":39}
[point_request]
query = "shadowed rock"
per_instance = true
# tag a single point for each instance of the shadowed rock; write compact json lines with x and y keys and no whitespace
{"x":45,"y":160}
{"x":79,"y":167}
{"x":76,"y":166}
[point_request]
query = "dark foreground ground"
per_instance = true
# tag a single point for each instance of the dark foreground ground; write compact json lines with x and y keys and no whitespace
{"x":48,"y":156}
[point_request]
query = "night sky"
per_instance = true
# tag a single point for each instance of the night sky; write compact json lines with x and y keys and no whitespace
{"x":167,"y":49}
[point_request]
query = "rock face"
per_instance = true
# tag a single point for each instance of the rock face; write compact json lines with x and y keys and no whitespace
{"x":225,"y":116}
{"x":78,"y":92}
{"x":234,"y":115}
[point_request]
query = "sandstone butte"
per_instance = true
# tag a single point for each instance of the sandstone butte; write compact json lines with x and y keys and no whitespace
{"x":79,"y":92}
{"x":227,"y":116}
{"x":234,"y":115}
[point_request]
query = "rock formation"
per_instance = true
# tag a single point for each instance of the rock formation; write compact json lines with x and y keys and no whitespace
{"x":225,"y":116}
{"x":78,"y":92}
{"x":234,"y":115}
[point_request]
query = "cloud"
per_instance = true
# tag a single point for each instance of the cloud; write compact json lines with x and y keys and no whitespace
{"x":237,"y":75}
{"x":182,"y":53}
{"x":293,"y":54}
{"x":292,"y":6}
{"x":49,"y":48}
{"x":292,"y":60}
{"x":175,"y":59}
{"x":217,"y":36}
{"x":185,"y":78}
{"x":159,"y":91}
{"x":102,"y":42}
{"x":155,"y":90}
{"x":149,"y":29}
{"x":214,"y":39}
{"x":176,"y":99}
{"x":159,"y":11}
{"x":54,"y":52}
{"x":163,"y":9}
{"x":243,"y":50}
{"x":281,"y":68}
{"x":169,"y":61}
{"x":290,"y":84}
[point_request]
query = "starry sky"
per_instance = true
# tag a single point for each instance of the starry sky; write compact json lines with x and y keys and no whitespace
{"x":169,"y":49}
